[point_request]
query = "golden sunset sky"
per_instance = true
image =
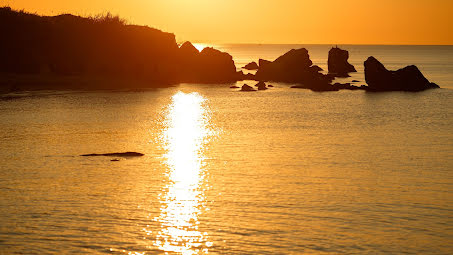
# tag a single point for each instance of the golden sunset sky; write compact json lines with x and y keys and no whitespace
{"x":274,"y":21}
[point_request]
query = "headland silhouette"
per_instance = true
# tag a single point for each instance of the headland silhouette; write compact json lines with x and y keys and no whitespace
{"x":105,"y":52}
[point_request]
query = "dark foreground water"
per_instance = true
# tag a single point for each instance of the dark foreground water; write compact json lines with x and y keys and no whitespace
{"x":272,"y":172}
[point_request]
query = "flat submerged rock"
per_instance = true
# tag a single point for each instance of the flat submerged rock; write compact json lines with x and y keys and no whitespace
{"x":115,"y":154}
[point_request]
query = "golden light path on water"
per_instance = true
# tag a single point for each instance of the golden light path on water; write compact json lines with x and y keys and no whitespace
{"x":187,"y":132}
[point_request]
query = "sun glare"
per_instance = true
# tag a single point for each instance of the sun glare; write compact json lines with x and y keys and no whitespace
{"x":201,"y":46}
{"x":186,"y":134}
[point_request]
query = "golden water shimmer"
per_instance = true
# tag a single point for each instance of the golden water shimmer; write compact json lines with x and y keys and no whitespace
{"x":280,"y":171}
{"x":187,"y":131}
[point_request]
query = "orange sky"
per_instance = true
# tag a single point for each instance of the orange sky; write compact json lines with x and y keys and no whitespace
{"x":275,"y":21}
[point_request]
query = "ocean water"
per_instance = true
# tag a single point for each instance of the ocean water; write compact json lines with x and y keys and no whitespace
{"x":281,"y":171}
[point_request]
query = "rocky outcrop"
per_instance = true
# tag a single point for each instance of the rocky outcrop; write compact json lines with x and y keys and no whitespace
{"x":348,"y":86}
{"x":246,"y":87}
{"x":316,"y":68}
{"x":264,"y":63}
{"x":115,"y":154}
{"x":248,"y":76}
{"x":251,"y":66}
{"x":105,"y":46}
{"x":408,"y":78}
{"x":261,"y":85}
{"x":338,"y":63}
{"x":187,"y":50}
{"x":208,"y":66}
{"x":294,"y":66}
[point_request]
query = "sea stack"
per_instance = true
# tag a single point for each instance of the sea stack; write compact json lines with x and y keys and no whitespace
{"x":408,"y":78}
{"x":338,"y":63}
{"x":246,"y":87}
{"x":294,"y":66}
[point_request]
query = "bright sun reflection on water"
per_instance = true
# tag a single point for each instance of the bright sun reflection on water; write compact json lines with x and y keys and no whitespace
{"x":185,"y":136}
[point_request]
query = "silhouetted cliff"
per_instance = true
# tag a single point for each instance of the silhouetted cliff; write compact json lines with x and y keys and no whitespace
{"x":106,"y":45}
{"x":408,"y":78}
{"x":338,"y":63}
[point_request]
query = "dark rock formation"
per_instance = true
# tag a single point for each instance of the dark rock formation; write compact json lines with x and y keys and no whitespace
{"x":261,"y":85}
{"x":188,"y":51}
{"x":248,"y":76}
{"x":104,"y":46}
{"x":208,"y":66}
{"x":294,"y":66}
{"x":408,"y":78}
{"x":246,"y":87}
{"x":316,"y":68}
{"x":251,"y":66}
{"x":217,"y":66}
{"x":72,"y":45}
{"x":263,"y":62}
{"x":234,"y":87}
{"x":338,"y":63}
{"x":270,"y":86}
{"x":348,"y":86}
{"x":115,"y":154}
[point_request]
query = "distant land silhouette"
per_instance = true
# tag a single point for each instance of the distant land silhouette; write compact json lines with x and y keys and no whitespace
{"x":104,"y":52}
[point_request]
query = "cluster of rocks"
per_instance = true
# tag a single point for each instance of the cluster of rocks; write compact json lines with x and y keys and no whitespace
{"x":209,"y":65}
{"x":296,"y":67}
{"x":259,"y":86}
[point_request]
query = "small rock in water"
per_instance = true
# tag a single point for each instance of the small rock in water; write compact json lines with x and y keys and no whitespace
{"x":261,"y":85}
{"x":246,"y":87}
{"x":115,"y":154}
{"x":345,"y":86}
{"x":251,"y":66}
{"x":234,"y":87}
{"x":115,"y":159}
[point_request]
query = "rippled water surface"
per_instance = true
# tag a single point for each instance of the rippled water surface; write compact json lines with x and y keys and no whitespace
{"x":282,"y":171}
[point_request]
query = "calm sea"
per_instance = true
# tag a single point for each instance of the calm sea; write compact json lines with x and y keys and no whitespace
{"x":282,"y":171}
